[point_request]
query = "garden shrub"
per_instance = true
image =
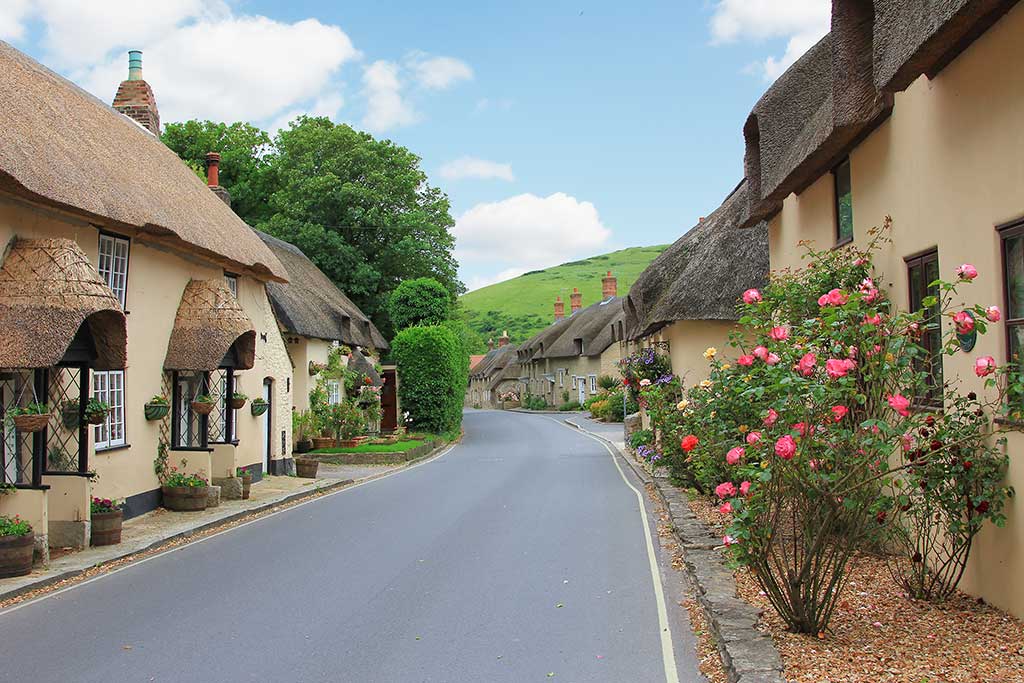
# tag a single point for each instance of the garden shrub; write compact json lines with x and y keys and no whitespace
{"x":641,"y":437}
{"x":433,"y":384}
{"x":421,"y":301}
{"x":531,"y":402}
{"x":569,"y":406}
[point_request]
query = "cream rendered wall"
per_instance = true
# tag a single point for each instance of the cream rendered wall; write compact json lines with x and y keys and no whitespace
{"x":948,"y":166}
{"x":689,"y":339}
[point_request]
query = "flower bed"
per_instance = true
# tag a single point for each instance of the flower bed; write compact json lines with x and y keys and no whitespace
{"x":376,"y":454}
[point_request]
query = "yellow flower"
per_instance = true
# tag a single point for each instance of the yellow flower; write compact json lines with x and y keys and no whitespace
{"x":764,"y":464}
{"x":713,"y":412}
{"x":726,"y":366}
{"x":710,"y":352}
{"x":889,"y":358}
{"x":705,"y":384}
{"x":682,"y":404}
{"x":744,"y":429}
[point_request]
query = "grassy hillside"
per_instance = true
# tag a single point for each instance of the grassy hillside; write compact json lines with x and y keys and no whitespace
{"x":525,"y":305}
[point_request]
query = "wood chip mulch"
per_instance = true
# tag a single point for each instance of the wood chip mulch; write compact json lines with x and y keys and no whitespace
{"x":879,"y":634}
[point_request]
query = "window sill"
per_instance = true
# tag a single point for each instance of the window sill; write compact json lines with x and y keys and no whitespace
{"x":842,"y":243}
{"x":111,"y":449}
{"x":87,"y":475}
{"x":224,"y":443}
{"x":191,"y":449}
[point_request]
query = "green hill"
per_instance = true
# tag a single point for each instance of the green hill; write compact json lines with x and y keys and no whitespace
{"x":525,"y":305}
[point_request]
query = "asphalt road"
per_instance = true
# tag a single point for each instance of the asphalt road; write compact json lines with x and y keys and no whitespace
{"x":520,"y":555}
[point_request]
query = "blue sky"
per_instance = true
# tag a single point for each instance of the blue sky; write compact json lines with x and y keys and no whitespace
{"x":558,"y":129}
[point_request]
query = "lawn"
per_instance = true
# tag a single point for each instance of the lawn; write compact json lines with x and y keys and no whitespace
{"x":399,"y":447}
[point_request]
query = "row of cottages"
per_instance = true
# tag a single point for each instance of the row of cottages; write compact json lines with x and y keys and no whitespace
{"x":123,"y":277}
{"x":315,"y":317}
{"x":484,"y":373}
{"x":908,"y":108}
{"x":568,"y":356}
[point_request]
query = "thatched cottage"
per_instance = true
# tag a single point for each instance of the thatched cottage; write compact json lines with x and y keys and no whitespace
{"x":910,"y":109}
{"x":123,"y":277}
{"x":483,"y":389}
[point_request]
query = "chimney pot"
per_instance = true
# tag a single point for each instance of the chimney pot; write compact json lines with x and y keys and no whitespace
{"x":609,"y":286}
{"x":559,"y":308}
{"x":576,"y":299}
{"x":134,"y":65}
{"x":701,"y":219}
{"x":490,"y":344}
{"x":504,"y":339}
{"x":212,"y":169}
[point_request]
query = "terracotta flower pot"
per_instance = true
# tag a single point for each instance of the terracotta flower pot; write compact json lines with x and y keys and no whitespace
{"x":202,"y":407}
{"x":306,"y":467}
{"x":16,"y":555}
{"x":184,"y":498}
{"x":31,"y":423}
{"x":106,"y":528}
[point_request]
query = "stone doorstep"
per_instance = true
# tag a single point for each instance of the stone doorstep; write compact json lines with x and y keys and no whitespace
{"x":748,"y":655}
{"x":75,"y":564}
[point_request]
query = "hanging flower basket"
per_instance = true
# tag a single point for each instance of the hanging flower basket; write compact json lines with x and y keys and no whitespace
{"x":157,"y":411}
{"x":258,"y":407}
{"x":69,"y":415}
{"x":237,"y":403}
{"x":202,"y":407}
{"x":29,"y":424}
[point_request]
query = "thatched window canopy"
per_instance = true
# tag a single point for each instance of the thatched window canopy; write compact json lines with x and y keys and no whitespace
{"x":49,"y":292}
{"x":210,"y":326}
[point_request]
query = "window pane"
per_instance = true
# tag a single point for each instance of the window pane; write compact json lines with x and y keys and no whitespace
{"x":115,"y":397}
{"x":99,"y":392}
{"x":113,"y":265}
{"x":844,"y":202}
{"x":1015,"y":333}
{"x":921,"y":273}
{"x":1015,"y":277}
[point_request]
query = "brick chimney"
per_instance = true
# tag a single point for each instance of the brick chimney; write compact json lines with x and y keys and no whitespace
{"x":609,"y":286}
{"x":576,"y":299}
{"x":213,"y":177}
{"x":490,"y":344}
{"x":135,"y":98}
{"x":504,"y":339}
{"x":559,"y":308}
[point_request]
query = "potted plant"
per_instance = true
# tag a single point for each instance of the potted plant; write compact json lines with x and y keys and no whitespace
{"x":346,"y":420}
{"x":17,"y":544}
{"x":96,"y":411}
{"x":203,"y":404}
{"x":246,"y":477}
{"x":157,"y":408}
{"x":302,"y":425}
{"x":184,"y":492}
{"x":306,"y":467}
{"x":258,"y":406}
{"x":238,"y":400}
{"x":31,"y":418}
{"x":69,"y":414}
{"x":107,"y":518}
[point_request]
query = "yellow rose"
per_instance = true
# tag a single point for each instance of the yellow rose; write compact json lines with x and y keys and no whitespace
{"x":726,"y":366}
{"x":705,"y":384}
{"x":682,"y":404}
{"x":713,"y":412}
{"x":744,"y":429}
{"x":710,"y":352}
{"x":889,"y":358}
{"x":764,"y":464}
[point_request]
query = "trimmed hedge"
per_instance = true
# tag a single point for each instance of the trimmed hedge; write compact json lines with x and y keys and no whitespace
{"x":422,"y":301}
{"x":433,"y":380}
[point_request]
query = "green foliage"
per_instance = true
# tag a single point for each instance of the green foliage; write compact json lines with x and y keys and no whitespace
{"x":397,"y":447}
{"x":344,"y":419}
{"x":531,"y":402}
{"x":641,"y":437}
{"x":523,"y":305}
{"x":101,"y":505}
{"x":14,"y":526}
{"x":420,"y":301}
{"x":30,"y":409}
{"x":607,"y":382}
{"x":433,"y":382}
{"x":569,"y":406}
{"x":245,"y":156}
{"x":176,"y":477}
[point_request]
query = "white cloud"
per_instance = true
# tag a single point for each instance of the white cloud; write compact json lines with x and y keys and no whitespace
{"x":201,"y":59}
{"x":480,"y":281}
{"x":12,"y":19}
{"x":438,"y":73}
{"x":801,"y":22}
{"x":471,"y":167}
{"x":386,"y":106}
{"x":527,"y":232}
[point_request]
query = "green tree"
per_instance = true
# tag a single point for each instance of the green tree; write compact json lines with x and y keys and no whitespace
{"x":421,"y":301}
{"x":245,"y":153}
{"x":362,"y":210}
{"x":433,"y":382}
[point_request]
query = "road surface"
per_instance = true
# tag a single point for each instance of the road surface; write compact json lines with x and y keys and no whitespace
{"x":520,"y":555}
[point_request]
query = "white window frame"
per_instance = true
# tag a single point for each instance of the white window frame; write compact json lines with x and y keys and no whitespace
{"x":333,"y":391}
{"x":108,"y":386}
{"x":231,"y":280}
{"x":113,"y":264}
{"x":593,"y":384}
{"x":561,"y":377}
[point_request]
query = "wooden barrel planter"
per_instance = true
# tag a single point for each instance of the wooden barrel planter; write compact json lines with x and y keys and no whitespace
{"x":323,"y":442}
{"x":106,"y":528}
{"x":306,"y":467}
{"x":16,"y":555}
{"x":157,"y":411}
{"x":184,"y":498}
{"x":246,"y":485}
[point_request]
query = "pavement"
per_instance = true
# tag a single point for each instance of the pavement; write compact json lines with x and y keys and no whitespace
{"x":519,"y":555}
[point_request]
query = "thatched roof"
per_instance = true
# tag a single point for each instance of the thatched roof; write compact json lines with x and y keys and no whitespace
{"x":589,"y":327}
{"x":357,"y":361}
{"x":536,"y":345}
{"x":62,"y":147}
{"x":703,"y":274}
{"x":210,"y":323}
{"x":311,"y":305}
{"x":48,"y":289}
{"x":512,"y":371}
{"x":494,"y":361}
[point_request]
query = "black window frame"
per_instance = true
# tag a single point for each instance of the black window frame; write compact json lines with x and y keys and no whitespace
{"x":204,"y":425}
{"x":841,"y":240}
{"x":920,"y":260}
{"x":1008,"y":231}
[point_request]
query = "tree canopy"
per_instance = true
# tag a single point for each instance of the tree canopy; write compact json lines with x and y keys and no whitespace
{"x":361,"y":209}
{"x":420,"y":301}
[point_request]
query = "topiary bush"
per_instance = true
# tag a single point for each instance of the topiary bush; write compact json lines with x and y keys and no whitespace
{"x":422,"y":301}
{"x":433,"y":382}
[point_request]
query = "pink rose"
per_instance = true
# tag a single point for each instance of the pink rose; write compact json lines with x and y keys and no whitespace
{"x":900,"y":403}
{"x":823,"y":300}
{"x":772,"y":359}
{"x":785,"y":447}
{"x":837,"y":297}
{"x":984,"y":366}
{"x":993,"y":314}
{"x":806,"y":364}
{"x":801,"y":428}
{"x":964,"y":322}
{"x":771,"y":418}
{"x":871,"y":296}
{"x":725,"y":508}
{"x":851,"y":352}
{"x":746,"y":361}
{"x":754,"y":439}
{"x":815,"y":464}
{"x":760,"y":352}
{"x":734,"y":455}
{"x":966,"y":272}
{"x":839,"y":412}
{"x":908,"y":441}
{"x":745,"y":488}
{"x":837,"y":368}
{"x":728,"y":540}
{"x":875,"y":319}
{"x":725,"y":490}
{"x":751,"y":296}
{"x":780,"y":333}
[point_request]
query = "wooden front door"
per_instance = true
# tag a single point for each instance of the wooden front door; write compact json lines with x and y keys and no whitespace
{"x":389,"y":400}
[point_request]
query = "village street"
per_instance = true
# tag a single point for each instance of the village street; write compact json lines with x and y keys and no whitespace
{"x":519,"y":555}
